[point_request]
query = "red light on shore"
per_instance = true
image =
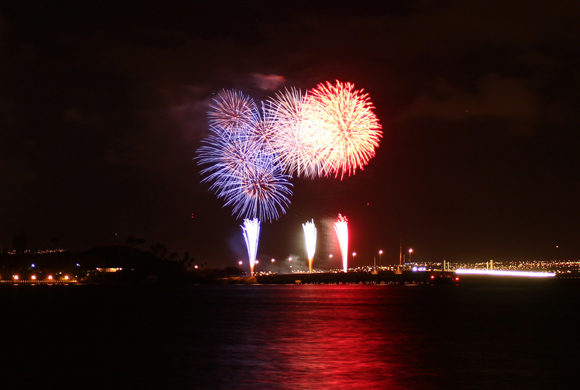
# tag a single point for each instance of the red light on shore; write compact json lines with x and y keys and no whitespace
{"x":457,"y":278}
{"x":432,"y":276}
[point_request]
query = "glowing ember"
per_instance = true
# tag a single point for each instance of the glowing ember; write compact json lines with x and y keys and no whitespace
{"x":310,"y":240}
{"x":341,"y":229}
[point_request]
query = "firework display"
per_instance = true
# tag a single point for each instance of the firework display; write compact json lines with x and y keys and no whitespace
{"x":254,"y":150}
{"x":349,"y":129}
{"x":240,"y":164}
{"x":310,"y":241}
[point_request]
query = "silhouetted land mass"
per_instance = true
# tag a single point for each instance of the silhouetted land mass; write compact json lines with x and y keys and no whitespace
{"x":104,"y":264}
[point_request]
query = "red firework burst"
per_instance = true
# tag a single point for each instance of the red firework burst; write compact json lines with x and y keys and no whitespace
{"x":348,"y":129}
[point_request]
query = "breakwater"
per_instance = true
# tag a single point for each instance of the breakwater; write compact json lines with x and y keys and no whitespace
{"x":380,"y":277}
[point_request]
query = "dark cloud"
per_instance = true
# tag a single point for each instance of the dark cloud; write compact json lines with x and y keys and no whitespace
{"x":494,"y":98}
{"x":268,"y":82}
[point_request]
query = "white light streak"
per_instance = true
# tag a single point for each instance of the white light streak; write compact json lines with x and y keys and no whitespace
{"x":497,"y":272}
{"x":341,"y":229}
{"x":251,"y":231}
{"x":310,"y":241}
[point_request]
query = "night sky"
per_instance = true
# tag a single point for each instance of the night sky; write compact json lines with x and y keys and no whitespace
{"x":103,"y":105}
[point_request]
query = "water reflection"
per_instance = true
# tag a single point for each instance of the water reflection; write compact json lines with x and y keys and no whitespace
{"x":320,"y":337}
{"x":480,"y":336}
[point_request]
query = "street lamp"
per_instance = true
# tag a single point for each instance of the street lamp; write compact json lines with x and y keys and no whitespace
{"x":410,"y":251}
{"x":380,"y":255}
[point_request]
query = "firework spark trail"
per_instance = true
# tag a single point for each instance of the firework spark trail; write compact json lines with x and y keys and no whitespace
{"x":239,"y":162}
{"x":251,"y":232}
{"x":310,"y":241}
{"x":231,"y":110}
{"x":263,"y":191}
{"x":296,"y":141}
{"x":264,"y":128}
{"x":341,"y":229}
{"x":347,"y":125}
{"x":225,"y":156}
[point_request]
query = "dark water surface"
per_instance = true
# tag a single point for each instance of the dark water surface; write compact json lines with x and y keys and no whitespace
{"x":473,"y":336}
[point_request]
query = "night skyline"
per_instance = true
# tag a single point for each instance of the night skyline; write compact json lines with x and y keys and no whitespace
{"x":103,"y":106}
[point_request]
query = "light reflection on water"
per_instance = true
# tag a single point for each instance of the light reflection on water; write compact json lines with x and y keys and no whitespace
{"x":513,"y":336}
{"x":313,"y":338}
{"x":367,"y":337}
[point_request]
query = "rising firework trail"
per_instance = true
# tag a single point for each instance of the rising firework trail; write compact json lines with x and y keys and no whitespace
{"x":310,"y":241}
{"x":341,"y":229}
{"x":251,"y":232}
{"x":348,"y":129}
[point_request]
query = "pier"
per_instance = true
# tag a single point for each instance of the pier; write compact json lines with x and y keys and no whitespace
{"x":380,"y":277}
